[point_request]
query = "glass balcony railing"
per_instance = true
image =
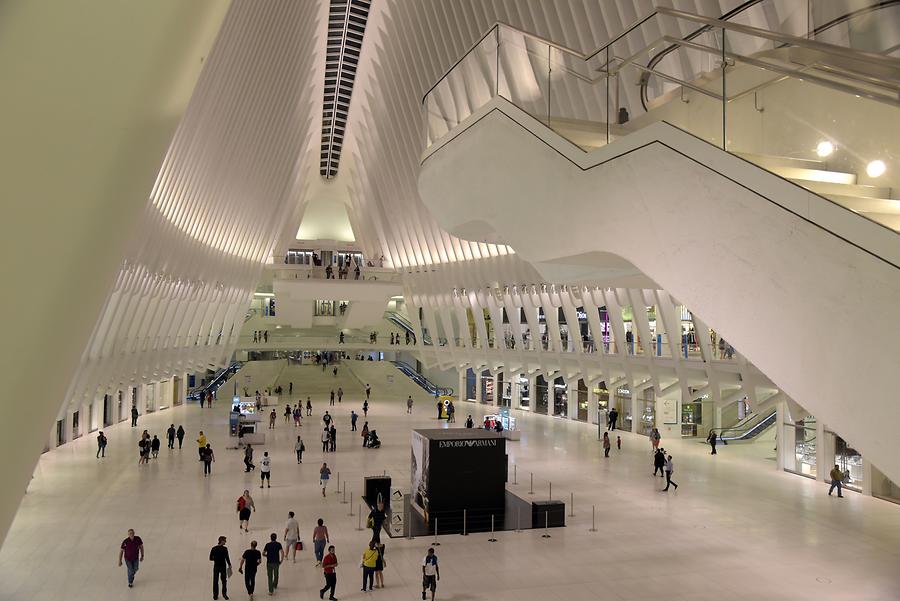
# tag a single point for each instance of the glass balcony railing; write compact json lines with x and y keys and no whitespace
{"x":819,"y":108}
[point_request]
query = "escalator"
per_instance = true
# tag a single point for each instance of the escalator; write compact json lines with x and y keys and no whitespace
{"x":401,"y":321}
{"x":215,"y":383}
{"x":762,"y":178}
{"x":431,"y":388}
{"x":747,"y":430}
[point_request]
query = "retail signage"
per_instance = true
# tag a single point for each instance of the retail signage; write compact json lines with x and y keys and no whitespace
{"x":669,"y":411}
{"x":447,"y":444}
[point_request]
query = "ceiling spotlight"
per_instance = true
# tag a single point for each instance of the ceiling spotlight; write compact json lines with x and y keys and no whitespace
{"x":875,"y":169}
{"x":824,"y":149}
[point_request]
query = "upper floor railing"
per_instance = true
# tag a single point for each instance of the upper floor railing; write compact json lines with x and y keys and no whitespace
{"x":318,"y":272}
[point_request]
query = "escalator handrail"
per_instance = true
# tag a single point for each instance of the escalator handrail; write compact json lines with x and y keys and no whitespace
{"x":422,"y":380}
{"x":216,"y":381}
{"x":659,"y":56}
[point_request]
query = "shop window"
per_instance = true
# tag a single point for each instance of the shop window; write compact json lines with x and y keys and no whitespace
{"x":800,"y":447}
{"x":487,"y":387}
{"x":470,"y":385}
{"x":560,"y":398}
{"x":60,"y":432}
{"x":75,"y":426}
{"x":691,"y":418}
{"x":541,"y":401}
{"x":850,"y":462}
{"x":582,"y":401}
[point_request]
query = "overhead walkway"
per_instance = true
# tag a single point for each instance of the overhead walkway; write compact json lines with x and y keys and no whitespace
{"x":808,"y":287}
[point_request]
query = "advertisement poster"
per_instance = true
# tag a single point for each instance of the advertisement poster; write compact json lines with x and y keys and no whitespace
{"x":669,"y":411}
{"x":419,"y":474}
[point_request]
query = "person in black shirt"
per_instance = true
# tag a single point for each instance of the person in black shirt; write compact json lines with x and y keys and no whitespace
{"x":180,"y":435}
{"x":250,"y":560}
{"x":274,"y":556}
{"x":221,"y":564}
{"x":170,"y":436}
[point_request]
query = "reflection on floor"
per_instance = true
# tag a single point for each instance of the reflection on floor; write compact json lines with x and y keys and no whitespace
{"x":736,"y":529}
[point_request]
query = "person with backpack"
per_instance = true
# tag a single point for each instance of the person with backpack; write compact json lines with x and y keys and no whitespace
{"x":299,"y":447}
{"x":245,"y":505}
{"x":353,"y":417}
{"x":324,"y":476}
{"x":154,"y":446}
{"x":470,"y":423}
{"x":101,"y":444}
{"x":659,"y":462}
{"x":654,"y":439}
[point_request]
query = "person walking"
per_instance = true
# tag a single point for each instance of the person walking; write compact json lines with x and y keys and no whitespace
{"x":431,"y":573}
{"x":329,"y":568}
{"x":291,"y":536}
{"x":353,"y":417}
{"x":368,"y":391}
{"x":272,"y":417}
{"x":380,"y":563}
{"x":331,"y":400}
{"x":326,"y":437}
{"x":208,"y":458}
{"x":613,"y":418}
{"x":298,"y":449}
{"x":340,"y":393}
{"x":606,"y":444}
{"x":470,"y":423}
{"x":290,"y":388}
{"x":670,"y":469}
{"x":618,"y":443}
{"x":265,"y":470}
{"x":659,"y":462}
{"x":324,"y":476}
{"x":245,"y":505}
{"x":250,"y":561}
{"x":144,"y":448}
{"x":101,"y":444}
{"x":326,"y":419}
{"x":248,"y":458}
{"x":134,"y":416}
{"x":221,"y":567}
{"x":369,"y":560}
{"x":320,"y":539}
{"x":274,"y":553}
{"x":180,"y":435}
{"x":366,"y":408}
{"x":837,"y":480}
{"x":365,"y":433}
{"x":308,"y":407}
{"x":654,"y":439}
{"x":170,"y":436}
{"x":451,"y":412}
{"x":332,"y":438}
{"x":132,"y":550}
{"x":201,"y":444}
{"x":154,"y":446}
{"x":298,"y":415}
{"x":712,"y":439}
{"x":440,"y":408}
{"x":376,"y":519}
{"x":288,"y":413}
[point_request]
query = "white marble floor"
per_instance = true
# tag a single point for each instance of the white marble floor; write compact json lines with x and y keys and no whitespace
{"x":736,"y":529}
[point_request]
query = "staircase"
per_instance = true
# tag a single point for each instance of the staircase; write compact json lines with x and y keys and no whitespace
{"x":872,"y":202}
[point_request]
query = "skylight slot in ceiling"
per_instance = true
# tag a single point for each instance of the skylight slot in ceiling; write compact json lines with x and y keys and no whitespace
{"x":346,"y":27}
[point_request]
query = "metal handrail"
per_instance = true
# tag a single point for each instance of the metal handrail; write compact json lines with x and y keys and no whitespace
{"x":841,"y":51}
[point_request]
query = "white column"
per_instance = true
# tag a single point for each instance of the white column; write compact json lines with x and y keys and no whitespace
{"x":868,"y":475}
{"x":823,"y":463}
{"x":532,"y":392}
{"x":636,"y":411}
{"x":593,"y":411}
{"x":779,"y":435}
{"x":478,"y":395}
{"x":461,"y":390}
{"x":572,"y":394}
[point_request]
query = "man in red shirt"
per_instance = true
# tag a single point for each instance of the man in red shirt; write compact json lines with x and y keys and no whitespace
{"x":329,"y":563}
{"x":132,"y":548}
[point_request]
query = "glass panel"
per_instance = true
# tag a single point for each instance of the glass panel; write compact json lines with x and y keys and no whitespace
{"x":525,"y":73}
{"x":850,"y":463}
{"x":468,"y":86}
{"x":582,"y":401}
{"x":541,"y":401}
{"x":560,"y":398}
{"x":578,"y":104}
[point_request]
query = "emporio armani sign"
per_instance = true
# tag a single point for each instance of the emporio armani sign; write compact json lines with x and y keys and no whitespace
{"x":443,"y":444}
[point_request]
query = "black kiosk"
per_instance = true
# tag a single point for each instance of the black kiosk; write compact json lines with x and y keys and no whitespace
{"x":455,"y":471}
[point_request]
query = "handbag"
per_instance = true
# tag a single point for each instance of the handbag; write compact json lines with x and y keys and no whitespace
{"x":370,"y":523}
{"x":302,"y":447}
{"x":298,"y":545}
{"x":228,"y":572}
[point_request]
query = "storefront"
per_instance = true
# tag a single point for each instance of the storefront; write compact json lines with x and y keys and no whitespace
{"x":800,"y":443}
{"x":541,"y":396}
{"x":560,"y":398}
{"x":646,"y":411}
{"x":487,"y":387}
{"x":582,"y":401}
{"x":622,"y":403}
{"x":602,"y":394}
{"x":470,"y":385}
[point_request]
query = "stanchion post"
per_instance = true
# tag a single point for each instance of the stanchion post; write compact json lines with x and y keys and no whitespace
{"x":435,"y":543}
{"x":351,"y":504}
{"x":571,"y":505}
{"x":515,"y":475}
{"x":492,"y":539}
{"x":344,"y":500}
{"x":465,"y":517}
{"x":593,"y":519}
{"x":531,"y":487}
{"x":546,"y":533}
{"x":550,"y":498}
{"x":338,"y":491}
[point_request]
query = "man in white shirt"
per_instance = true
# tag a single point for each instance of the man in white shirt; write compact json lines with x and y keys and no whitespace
{"x":265,"y":469}
{"x":431,"y":573}
{"x":670,"y":469}
{"x":291,"y":536}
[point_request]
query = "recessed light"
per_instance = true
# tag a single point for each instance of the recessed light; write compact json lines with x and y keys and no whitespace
{"x":824,"y":148}
{"x":875,"y":168}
